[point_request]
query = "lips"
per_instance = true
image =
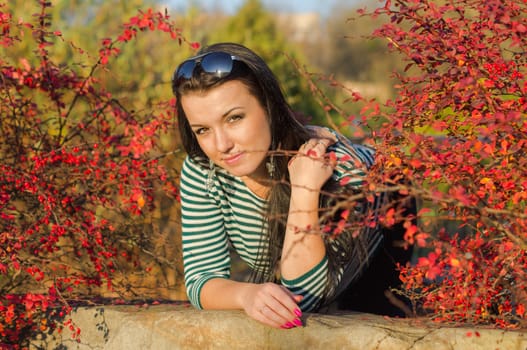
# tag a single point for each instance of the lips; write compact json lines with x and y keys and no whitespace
{"x":233,"y":158}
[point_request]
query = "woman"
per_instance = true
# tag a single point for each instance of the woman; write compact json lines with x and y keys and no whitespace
{"x":254,"y":179}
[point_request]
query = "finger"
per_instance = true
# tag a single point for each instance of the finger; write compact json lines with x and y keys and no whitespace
{"x":276,"y":314}
{"x":308,"y":144}
{"x":275,"y":306}
{"x":286,"y":309}
{"x":295,"y":297}
{"x":315,"y":148}
{"x":261,"y":316}
{"x":290,"y":295}
{"x":285,"y":304}
{"x":320,"y":140}
{"x":322,"y":144}
{"x":298,"y":298}
{"x":291,"y":160}
{"x":312,"y":153}
{"x":292,"y":303}
{"x":270,"y":317}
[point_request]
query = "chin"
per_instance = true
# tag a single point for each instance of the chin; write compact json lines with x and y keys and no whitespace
{"x":241,"y":171}
{"x":238,"y":173}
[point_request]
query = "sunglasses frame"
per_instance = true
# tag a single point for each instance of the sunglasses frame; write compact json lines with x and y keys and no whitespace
{"x":219,"y":69}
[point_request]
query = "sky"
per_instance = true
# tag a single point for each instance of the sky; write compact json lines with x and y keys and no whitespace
{"x":231,"y":6}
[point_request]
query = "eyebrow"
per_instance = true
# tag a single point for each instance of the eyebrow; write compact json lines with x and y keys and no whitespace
{"x":223,"y":116}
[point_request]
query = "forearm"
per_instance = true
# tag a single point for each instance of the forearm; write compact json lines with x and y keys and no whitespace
{"x":303,"y":246}
{"x":269,"y":303}
{"x":222,"y":293}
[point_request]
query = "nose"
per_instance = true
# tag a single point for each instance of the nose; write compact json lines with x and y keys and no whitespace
{"x":223,"y":141}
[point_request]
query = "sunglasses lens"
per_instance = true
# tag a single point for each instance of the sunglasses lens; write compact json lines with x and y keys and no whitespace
{"x":186,"y":69}
{"x":217,"y":63}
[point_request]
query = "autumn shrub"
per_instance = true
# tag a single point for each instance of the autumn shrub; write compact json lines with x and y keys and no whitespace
{"x":79,"y":174}
{"x":458,"y":131}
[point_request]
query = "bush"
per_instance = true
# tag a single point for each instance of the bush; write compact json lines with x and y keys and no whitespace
{"x":79,"y":173}
{"x":457,"y":130}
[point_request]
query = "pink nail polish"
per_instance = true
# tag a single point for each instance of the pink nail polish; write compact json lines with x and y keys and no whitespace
{"x":298,"y":313}
{"x":289,"y":325}
{"x":297,"y":322}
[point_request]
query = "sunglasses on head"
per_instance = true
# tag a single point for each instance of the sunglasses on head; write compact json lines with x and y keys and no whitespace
{"x":218,"y":64}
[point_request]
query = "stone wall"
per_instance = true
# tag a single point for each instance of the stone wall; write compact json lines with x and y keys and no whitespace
{"x":172,"y":327}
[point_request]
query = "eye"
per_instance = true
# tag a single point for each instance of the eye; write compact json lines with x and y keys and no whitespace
{"x":200,"y":131}
{"x":235,"y":117}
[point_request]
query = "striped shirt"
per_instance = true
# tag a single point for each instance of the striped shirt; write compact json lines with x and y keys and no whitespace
{"x":217,"y":209}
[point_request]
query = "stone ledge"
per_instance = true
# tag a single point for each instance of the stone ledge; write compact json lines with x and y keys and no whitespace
{"x":172,"y":327}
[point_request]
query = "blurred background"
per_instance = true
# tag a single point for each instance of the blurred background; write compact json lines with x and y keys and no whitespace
{"x":322,"y":42}
{"x":320,"y":51}
{"x":329,"y":40}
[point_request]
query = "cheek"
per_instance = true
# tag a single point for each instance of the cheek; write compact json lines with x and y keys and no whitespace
{"x":206,"y":146}
{"x":259,"y":135}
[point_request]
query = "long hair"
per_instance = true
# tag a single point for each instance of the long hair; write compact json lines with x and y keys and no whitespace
{"x":287,"y":135}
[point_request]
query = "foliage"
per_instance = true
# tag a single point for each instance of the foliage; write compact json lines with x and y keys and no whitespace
{"x":142,"y":70}
{"x":79,"y":170}
{"x":457,"y":130}
{"x":255,"y":27}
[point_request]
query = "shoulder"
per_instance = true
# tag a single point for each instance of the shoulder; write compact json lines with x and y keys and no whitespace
{"x":197,"y":173}
{"x":349,"y":151}
{"x":353,"y":160}
{"x":342,"y":145}
{"x":194,"y":165}
{"x":355,"y":152}
{"x":194,"y":174}
{"x":322,"y":132}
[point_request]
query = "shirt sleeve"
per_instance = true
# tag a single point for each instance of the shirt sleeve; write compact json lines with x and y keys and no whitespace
{"x":311,"y":286}
{"x":205,"y":244}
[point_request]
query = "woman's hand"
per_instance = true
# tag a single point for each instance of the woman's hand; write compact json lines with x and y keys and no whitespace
{"x":273,"y":305}
{"x":310,"y":168}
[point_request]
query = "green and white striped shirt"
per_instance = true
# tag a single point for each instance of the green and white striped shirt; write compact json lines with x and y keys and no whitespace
{"x":226,"y":211}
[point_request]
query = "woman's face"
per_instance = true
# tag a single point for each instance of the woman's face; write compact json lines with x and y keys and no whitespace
{"x":231,"y":127}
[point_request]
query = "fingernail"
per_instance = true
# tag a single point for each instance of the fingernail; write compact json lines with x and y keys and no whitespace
{"x":287,"y":325}
{"x":298,"y":313}
{"x":297,"y":322}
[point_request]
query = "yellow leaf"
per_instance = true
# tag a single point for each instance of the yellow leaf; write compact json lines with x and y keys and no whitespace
{"x":141,"y":201}
{"x":396,"y":160}
{"x":485,"y":180}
